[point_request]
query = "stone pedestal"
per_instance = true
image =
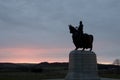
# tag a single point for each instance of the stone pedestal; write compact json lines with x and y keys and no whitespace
{"x":82,"y":66}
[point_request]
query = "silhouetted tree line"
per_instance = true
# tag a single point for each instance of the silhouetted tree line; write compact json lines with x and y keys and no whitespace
{"x":116,"y":62}
{"x":45,"y":67}
{"x":41,"y":67}
{"x":106,"y":69}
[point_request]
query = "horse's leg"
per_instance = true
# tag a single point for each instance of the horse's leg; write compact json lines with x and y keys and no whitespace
{"x":83,"y":49}
{"x":90,"y":49}
{"x":76,"y":48}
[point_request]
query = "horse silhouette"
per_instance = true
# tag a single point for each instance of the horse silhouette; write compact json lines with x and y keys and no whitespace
{"x":80,"y":39}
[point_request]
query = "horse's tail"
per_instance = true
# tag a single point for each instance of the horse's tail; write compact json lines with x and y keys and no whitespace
{"x":91,"y":38}
{"x":91,"y":42}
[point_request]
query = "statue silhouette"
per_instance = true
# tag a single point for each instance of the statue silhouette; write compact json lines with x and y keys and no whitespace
{"x":81,"y":39}
{"x":80,"y":29}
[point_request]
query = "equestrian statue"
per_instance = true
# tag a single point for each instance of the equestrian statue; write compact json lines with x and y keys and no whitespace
{"x":81,"y":39}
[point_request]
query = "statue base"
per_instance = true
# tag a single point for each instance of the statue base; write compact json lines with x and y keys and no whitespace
{"x":82,"y":66}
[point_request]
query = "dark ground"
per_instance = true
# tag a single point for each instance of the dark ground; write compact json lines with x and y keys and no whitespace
{"x":10,"y":71}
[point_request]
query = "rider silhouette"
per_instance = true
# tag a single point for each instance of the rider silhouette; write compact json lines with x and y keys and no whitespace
{"x":80,"y":28}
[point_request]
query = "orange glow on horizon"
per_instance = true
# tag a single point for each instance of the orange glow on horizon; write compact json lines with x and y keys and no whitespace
{"x":31,"y":55}
{"x":104,"y":62}
{"x":37,"y":55}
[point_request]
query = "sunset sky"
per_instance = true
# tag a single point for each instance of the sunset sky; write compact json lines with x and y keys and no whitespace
{"x":33,"y":31}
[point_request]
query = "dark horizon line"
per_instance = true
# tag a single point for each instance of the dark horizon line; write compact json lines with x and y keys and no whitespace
{"x":43,"y":63}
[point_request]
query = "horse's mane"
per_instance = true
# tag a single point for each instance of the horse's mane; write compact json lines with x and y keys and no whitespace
{"x":72,"y":29}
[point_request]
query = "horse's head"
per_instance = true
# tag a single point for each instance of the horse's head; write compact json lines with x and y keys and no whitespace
{"x":72,"y":29}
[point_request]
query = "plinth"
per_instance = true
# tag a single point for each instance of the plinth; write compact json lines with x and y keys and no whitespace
{"x":82,"y":66}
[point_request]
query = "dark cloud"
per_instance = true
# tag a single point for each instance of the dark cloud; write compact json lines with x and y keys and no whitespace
{"x":45,"y":22}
